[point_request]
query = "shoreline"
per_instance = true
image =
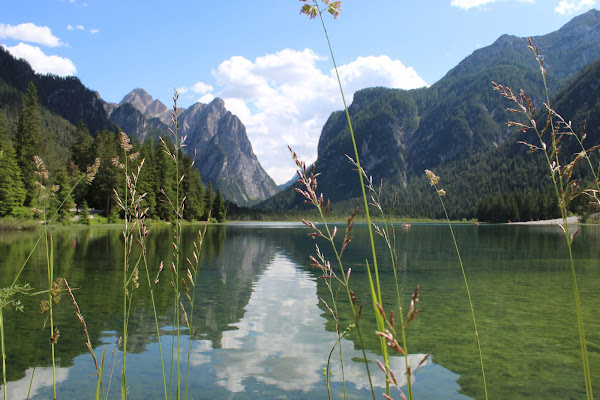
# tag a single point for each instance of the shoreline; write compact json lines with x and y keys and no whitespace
{"x":556,"y":221}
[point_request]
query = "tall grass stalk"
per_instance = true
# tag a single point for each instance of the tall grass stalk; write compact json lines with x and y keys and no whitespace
{"x":329,"y":275}
{"x":88,"y":344}
{"x":192,"y":276}
{"x":3,"y":353}
{"x":375,"y":196}
{"x":143,"y":234}
{"x":88,"y":177}
{"x":133,"y":218}
{"x":7,"y":294}
{"x":48,"y":306}
{"x":177,"y":206}
{"x":333,"y":310}
{"x":54,"y":333}
{"x":334,"y":9}
{"x":434,"y":180}
{"x":561,"y":175}
{"x":310,"y":184}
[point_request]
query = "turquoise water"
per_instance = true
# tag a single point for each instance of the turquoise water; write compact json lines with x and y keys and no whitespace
{"x":264,"y":331}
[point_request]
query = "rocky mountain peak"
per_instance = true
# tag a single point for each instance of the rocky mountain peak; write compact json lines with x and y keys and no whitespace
{"x":217,"y":103}
{"x":156,"y":108}
{"x":147,"y":106}
{"x":138,"y":98}
{"x":215,"y":136}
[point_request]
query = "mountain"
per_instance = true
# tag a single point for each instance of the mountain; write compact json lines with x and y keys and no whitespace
{"x":400,"y":133}
{"x":140,"y":116}
{"x":147,"y":106}
{"x":216,"y":139}
{"x":224,"y":155}
{"x":63,"y":96}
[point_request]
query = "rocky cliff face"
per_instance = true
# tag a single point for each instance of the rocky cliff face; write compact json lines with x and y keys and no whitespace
{"x":225,"y":156}
{"x":216,"y":139}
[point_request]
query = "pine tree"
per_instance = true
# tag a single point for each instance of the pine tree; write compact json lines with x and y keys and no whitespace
{"x":208,"y":201}
{"x":84,"y":217}
{"x":166,"y":173}
{"x":193,"y":190}
{"x":81,"y":150}
{"x":62,"y":201}
{"x":218,"y":207}
{"x":28,"y":140}
{"x":12,"y":192}
{"x":109,"y":177}
{"x":148,"y":179}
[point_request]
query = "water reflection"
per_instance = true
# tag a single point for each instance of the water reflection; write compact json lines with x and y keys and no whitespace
{"x":20,"y":389}
{"x":280,"y":341}
{"x":264,"y":334}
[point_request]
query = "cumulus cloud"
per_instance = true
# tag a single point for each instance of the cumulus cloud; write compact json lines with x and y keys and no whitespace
{"x":198,"y":88}
{"x":94,"y":31}
{"x":467,"y":4}
{"x":41,"y":62}
{"x":573,"y":6}
{"x":285,"y":98}
{"x":31,"y":33}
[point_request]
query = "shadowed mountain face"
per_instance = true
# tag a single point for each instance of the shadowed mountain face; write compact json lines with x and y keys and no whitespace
{"x":400,"y":133}
{"x":64,"y":96}
{"x":216,"y":139}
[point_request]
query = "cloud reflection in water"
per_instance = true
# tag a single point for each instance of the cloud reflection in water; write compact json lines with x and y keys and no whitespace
{"x":281,"y":339}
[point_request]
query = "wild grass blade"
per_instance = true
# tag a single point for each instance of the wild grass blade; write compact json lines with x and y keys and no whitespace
{"x":434,"y":179}
{"x":560,"y":177}
{"x":357,"y":159}
{"x":3,"y":353}
{"x":100,"y":372}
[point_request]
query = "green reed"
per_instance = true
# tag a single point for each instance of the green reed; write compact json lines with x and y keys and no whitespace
{"x":309,"y":181}
{"x":565,"y":186}
{"x":334,"y":8}
{"x":434,"y":180}
{"x":387,"y":232}
{"x":131,"y":219}
{"x":54,"y":286}
{"x":177,"y":206}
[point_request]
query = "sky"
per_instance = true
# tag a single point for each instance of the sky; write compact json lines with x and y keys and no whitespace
{"x":269,"y":63}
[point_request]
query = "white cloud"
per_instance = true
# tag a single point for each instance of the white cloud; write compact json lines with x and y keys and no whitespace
{"x":198,"y":87}
{"x":29,"y":32}
{"x":42,"y":63}
{"x":82,"y":28}
{"x":285,"y":99}
{"x":573,"y":6}
{"x":467,"y":4}
{"x":379,"y":71}
{"x":207,"y":98}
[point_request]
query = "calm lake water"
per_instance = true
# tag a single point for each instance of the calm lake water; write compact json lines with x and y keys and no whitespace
{"x":263,"y":333}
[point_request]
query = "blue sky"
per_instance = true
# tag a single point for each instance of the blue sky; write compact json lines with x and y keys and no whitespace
{"x":269,"y":63}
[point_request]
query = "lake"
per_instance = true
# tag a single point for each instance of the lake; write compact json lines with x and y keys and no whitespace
{"x":264,"y":333}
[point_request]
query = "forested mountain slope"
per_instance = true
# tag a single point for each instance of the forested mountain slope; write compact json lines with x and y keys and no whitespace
{"x":457,"y":126}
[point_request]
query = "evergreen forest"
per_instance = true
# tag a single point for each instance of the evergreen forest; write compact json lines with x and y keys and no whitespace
{"x":28,"y":189}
